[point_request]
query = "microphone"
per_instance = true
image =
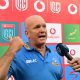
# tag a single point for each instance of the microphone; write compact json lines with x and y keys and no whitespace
{"x":63,"y":50}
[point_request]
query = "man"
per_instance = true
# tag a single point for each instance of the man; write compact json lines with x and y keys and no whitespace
{"x":35,"y":61}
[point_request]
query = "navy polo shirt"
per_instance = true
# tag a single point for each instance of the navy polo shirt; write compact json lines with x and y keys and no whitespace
{"x":29,"y":64}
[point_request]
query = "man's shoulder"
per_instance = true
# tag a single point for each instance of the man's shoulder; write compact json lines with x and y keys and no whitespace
{"x":24,"y":50}
{"x":21,"y":52}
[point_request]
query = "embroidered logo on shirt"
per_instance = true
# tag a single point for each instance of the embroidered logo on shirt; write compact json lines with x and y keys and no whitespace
{"x":31,"y":61}
{"x":26,"y":46}
{"x":55,"y":63}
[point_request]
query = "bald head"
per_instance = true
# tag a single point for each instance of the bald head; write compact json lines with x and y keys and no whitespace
{"x":30,"y":20}
{"x":36,"y":31}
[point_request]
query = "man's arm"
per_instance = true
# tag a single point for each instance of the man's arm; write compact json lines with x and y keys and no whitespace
{"x":5,"y":63}
{"x":15,"y":44}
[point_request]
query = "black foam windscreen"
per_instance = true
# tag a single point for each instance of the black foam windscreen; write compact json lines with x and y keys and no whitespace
{"x":63,"y":50}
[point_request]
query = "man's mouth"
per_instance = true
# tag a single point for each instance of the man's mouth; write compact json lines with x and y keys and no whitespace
{"x":42,"y":36}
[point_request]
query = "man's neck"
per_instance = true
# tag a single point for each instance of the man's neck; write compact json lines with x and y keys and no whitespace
{"x":40,"y":47}
{"x":42,"y":50}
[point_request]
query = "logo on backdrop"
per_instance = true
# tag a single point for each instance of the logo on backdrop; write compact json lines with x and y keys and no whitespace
{"x":74,"y":52}
{"x":55,"y":7}
{"x":39,"y":6}
{"x":71,"y":33}
{"x":54,"y":33}
{"x":72,"y":9}
{"x":8,"y":29}
{"x":4,"y":4}
{"x":21,"y":5}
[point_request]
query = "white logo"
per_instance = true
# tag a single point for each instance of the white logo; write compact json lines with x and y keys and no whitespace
{"x":6,"y":5}
{"x":36,"y":7}
{"x":7,"y":30}
{"x":21,"y":5}
{"x":72,"y":8}
{"x":55,"y":6}
{"x":31,"y":61}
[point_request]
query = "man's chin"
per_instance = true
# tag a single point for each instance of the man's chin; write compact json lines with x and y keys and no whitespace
{"x":42,"y":43}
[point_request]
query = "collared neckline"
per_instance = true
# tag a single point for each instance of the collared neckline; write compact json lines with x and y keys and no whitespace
{"x":30,"y":48}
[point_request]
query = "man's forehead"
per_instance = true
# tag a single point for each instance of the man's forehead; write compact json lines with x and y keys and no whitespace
{"x":34,"y":20}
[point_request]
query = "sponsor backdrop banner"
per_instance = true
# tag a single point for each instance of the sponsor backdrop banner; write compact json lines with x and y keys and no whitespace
{"x":63,"y":25}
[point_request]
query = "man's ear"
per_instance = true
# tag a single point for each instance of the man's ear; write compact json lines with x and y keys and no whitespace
{"x":27,"y":33}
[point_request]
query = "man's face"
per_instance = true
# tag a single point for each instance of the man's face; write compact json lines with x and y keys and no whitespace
{"x":37,"y":32}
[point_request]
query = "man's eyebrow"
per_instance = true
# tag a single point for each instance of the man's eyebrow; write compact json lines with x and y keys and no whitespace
{"x":37,"y":26}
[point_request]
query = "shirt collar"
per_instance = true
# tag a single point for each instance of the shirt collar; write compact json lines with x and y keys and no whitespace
{"x":30,"y":48}
{"x":48,"y":49}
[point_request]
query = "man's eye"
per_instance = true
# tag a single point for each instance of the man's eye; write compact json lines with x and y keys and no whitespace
{"x":44,"y":26}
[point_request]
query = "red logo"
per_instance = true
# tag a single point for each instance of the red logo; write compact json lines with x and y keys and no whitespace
{"x":72,"y":52}
{"x":52,"y":31}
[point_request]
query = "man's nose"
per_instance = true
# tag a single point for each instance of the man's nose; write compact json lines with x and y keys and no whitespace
{"x":42,"y":28}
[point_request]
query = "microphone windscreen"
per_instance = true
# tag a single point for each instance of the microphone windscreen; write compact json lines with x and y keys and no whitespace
{"x":62,"y":49}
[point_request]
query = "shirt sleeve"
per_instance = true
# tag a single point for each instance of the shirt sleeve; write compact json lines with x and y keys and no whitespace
{"x":11,"y":71}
